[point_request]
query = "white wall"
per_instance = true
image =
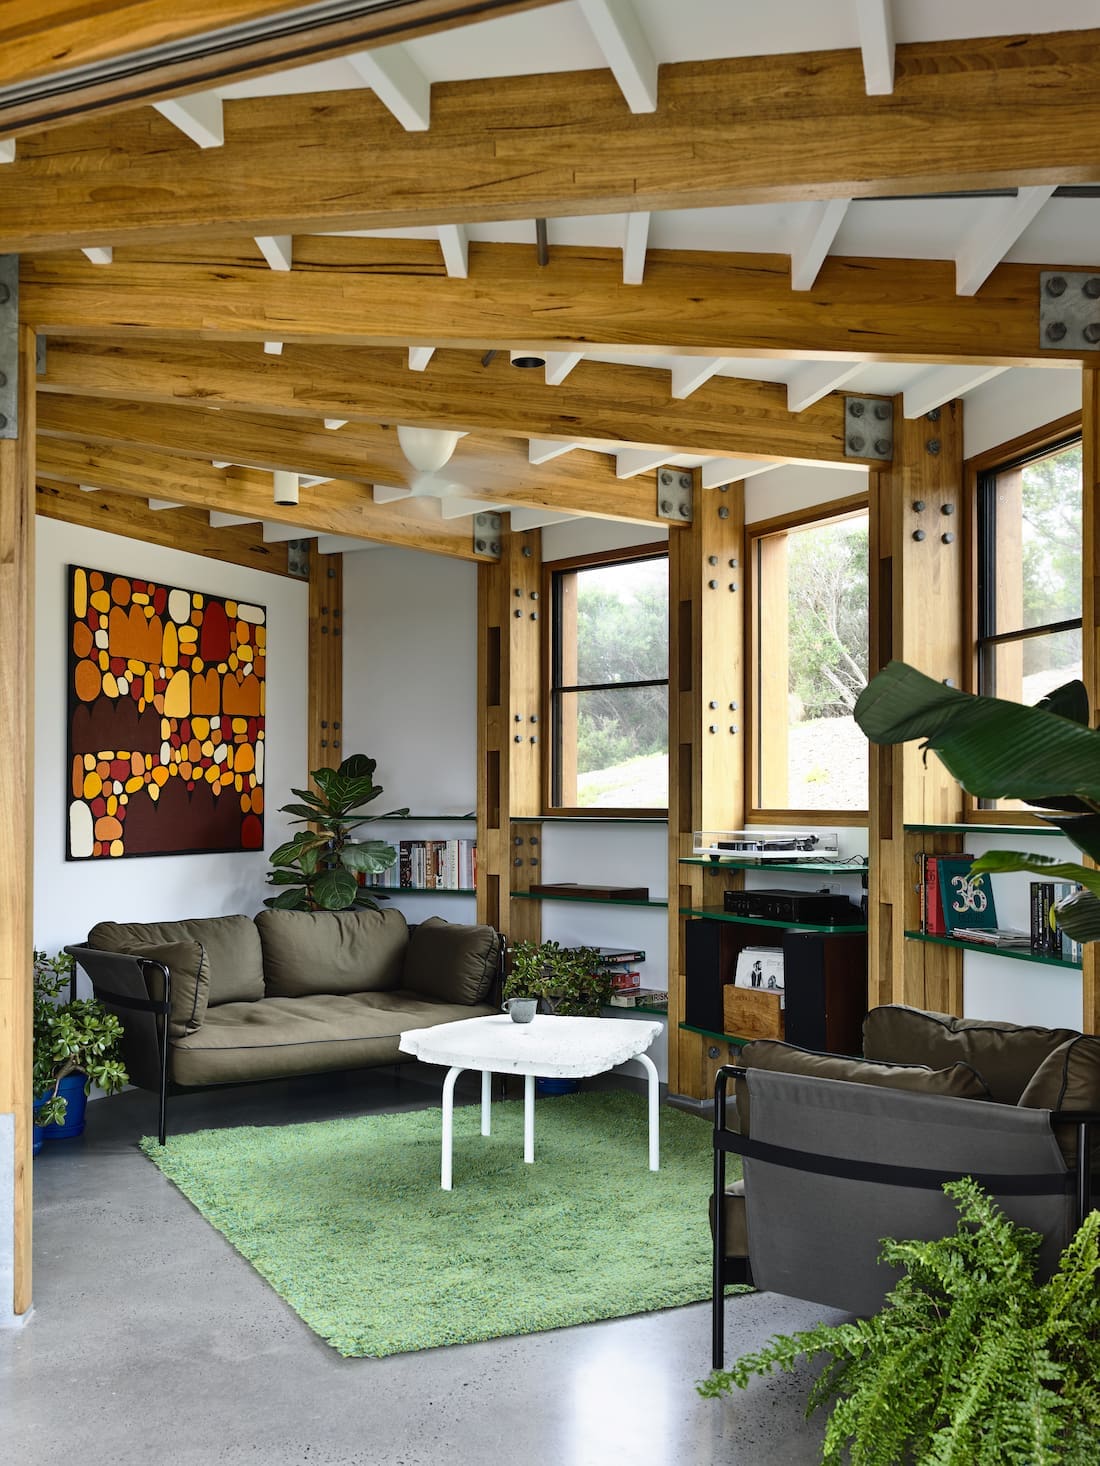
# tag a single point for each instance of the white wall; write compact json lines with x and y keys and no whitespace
{"x":1018,"y":402}
{"x":71,"y":896}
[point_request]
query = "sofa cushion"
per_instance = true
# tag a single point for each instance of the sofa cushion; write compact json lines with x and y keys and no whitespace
{"x":281,"y":1037}
{"x":737,"y":1230}
{"x":231,"y":944}
{"x":189,"y":973}
{"x":331,"y":951}
{"x":454,"y":963}
{"x":1067,"y":1079}
{"x":959,"y":1081}
{"x":1006,"y":1055}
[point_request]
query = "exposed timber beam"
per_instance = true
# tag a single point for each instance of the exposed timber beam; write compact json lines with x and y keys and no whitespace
{"x":335,"y":508}
{"x":97,"y":58}
{"x":383,"y":292}
{"x":750,"y":129}
{"x":483,"y":467}
{"x":600,"y":402}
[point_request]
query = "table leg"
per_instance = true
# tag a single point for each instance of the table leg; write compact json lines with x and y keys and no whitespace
{"x":486,"y":1096}
{"x":654,"y":1112}
{"x":448,"y":1126}
{"x":529,"y":1118}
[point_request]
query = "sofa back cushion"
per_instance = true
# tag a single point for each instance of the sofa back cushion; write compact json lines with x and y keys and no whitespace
{"x":1006,"y":1055}
{"x":451,"y":962}
{"x":189,"y":978}
{"x":331,"y":951}
{"x":1068,"y":1079}
{"x":959,"y":1080}
{"x":231,"y":944}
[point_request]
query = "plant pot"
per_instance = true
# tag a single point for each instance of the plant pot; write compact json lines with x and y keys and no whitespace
{"x":76,"y":1101}
{"x":549,"y":1086}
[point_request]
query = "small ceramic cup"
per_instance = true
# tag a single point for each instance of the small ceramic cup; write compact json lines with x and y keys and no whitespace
{"x":520,"y":1010}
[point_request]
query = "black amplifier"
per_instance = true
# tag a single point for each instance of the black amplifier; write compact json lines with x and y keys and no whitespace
{"x":816,"y":908}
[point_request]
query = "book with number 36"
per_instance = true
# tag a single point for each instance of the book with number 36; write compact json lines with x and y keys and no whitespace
{"x":967,"y":899}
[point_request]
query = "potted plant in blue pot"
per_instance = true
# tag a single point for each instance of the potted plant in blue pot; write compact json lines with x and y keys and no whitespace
{"x":76,"y":1044}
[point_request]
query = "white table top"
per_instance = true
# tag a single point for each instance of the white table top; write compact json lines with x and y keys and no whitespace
{"x":554,"y":1047}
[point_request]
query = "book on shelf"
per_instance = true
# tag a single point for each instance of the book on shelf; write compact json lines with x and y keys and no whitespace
{"x":1047,"y":936}
{"x":432,"y":865}
{"x":590,"y":892}
{"x":967,"y":899}
{"x":625,"y":980}
{"x":930,"y":888}
{"x":611,"y":956}
{"x":993,"y":936}
{"x":641,"y":998}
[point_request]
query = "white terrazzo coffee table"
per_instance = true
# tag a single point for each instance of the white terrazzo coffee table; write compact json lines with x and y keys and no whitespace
{"x":552,"y":1047}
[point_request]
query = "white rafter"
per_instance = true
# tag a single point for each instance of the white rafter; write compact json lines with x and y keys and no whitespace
{"x":631,"y":461}
{"x":1001,"y":224}
{"x":719,"y":471}
{"x":158,"y":504}
{"x":690,"y":372}
{"x":273,"y":348}
{"x":876,"y":41}
{"x":220,"y":520}
{"x":338,"y":544}
{"x":456,"y":250}
{"x":816,"y":379}
{"x":334,"y":424}
{"x":278,"y":534}
{"x":541,"y":450}
{"x":535,"y":518}
{"x":99,"y":254}
{"x":559,"y":364}
{"x":940,"y":384}
{"x":221,"y":463}
{"x":89,"y":488}
{"x":815,"y":241}
{"x":277,"y":249}
{"x":626,"y":49}
{"x":456,"y":508}
{"x":419,"y":357}
{"x":398,"y":83}
{"x":7,"y":150}
{"x":198,"y":117}
{"x":635,"y":244}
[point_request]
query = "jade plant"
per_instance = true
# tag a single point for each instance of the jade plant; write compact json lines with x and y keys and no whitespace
{"x":1047,"y":756}
{"x":320,"y":867}
{"x":566,"y":980}
{"x":971,"y":1361}
{"x":78,"y":1037}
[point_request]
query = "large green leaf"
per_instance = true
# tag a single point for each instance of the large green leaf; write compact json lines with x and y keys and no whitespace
{"x":304,"y":813}
{"x":296,"y":900}
{"x":1079,"y":916}
{"x":996,"y":749}
{"x":369,"y":856}
{"x":334,"y":890}
{"x":1082,"y":829}
{"x":1000,"y":862}
{"x":292,"y":851}
{"x":358,"y":766}
{"x":1071,"y":700}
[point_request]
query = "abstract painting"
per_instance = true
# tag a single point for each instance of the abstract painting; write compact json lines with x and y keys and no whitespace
{"x":166,"y":719}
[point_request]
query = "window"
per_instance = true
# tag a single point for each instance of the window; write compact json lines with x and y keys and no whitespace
{"x":1029,"y":573}
{"x":808,"y":663}
{"x":609,"y":683}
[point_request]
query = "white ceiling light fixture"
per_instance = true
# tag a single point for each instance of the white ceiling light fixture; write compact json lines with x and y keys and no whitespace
{"x":527,"y":358}
{"x":427,"y":449}
{"x":286,"y":487}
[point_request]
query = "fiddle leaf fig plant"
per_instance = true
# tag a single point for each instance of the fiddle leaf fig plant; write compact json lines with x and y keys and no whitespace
{"x":566,"y":980}
{"x":319,"y":868}
{"x":1047,"y":756}
{"x":79,"y":1037}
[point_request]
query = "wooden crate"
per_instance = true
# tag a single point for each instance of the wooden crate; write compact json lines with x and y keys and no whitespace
{"x":752,"y":1012}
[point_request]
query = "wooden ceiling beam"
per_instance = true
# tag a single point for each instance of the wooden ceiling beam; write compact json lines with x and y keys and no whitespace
{"x":54,"y":41}
{"x":486,"y":468}
{"x":332,"y":508}
{"x":386,"y":292}
{"x":598,"y":402}
{"x":1001,"y":112}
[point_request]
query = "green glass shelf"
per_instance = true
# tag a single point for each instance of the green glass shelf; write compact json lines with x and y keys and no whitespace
{"x":989,"y":831}
{"x":718,"y":913}
{"x":613,"y":1010}
{"x":584,"y":900}
{"x":1017,"y":954}
{"x":424,"y":819}
{"x":590,"y":819}
{"x":723,"y":1038}
{"x":425,"y":890}
{"x":807,"y":867}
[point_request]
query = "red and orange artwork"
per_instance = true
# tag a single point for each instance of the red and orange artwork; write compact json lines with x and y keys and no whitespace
{"x":166,"y":719}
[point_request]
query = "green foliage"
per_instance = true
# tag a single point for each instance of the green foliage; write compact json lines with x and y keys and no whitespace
{"x":970,"y":1363}
{"x":80,"y":1037}
{"x":567,"y":979}
{"x":1050,"y":502}
{"x":319,"y":867}
{"x":827,"y":618}
{"x":1047,"y":756}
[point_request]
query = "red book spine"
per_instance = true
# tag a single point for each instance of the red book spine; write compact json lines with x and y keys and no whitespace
{"x":933,"y":897}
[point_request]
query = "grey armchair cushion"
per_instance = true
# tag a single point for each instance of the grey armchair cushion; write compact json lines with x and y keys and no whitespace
{"x":307,"y":952}
{"x":1067,"y":1079}
{"x":737,"y":1231}
{"x":451,"y":962}
{"x":231,"y":944}
{"x":958,"y":1080}
{"x":1006,"y":1055}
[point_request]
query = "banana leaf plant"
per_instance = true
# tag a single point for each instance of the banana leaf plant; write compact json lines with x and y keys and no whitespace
{"x":1046,"y":756}
{"x":320,"y":867}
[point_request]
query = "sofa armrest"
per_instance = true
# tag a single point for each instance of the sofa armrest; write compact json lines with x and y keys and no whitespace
{"x":121,"y":982}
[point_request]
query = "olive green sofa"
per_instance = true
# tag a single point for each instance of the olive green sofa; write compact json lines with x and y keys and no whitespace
{"x":232,"y":1000}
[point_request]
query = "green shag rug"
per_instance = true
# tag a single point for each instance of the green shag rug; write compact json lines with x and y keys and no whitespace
{"x":346,"y":1220}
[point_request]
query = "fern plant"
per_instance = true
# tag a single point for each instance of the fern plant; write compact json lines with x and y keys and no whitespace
{"x":969,"y":1363}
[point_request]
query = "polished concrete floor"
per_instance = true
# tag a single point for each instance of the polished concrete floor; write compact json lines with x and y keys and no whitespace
{"x":154,"y":1342}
